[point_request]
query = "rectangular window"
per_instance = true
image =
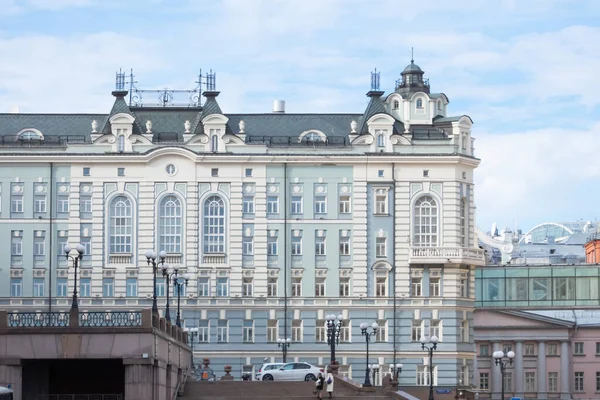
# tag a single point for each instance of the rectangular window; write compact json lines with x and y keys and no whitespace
{"x":248,"y":331}
{"x":435,"y":328}
{"x":85,"y":287}
{"x":553,"y":382}
{"x":416,"y":286}
{"x":39,"y":244}
{"x":320,"y":331}
{"x":320,"y":287}
{"x":297,"y":245}
{"x":16,"y":287}
{"x":464,"y":331}
{"x":297,"y":330}
{"x":272,"y":287}
{"x":380,"y":286}
{"x":108,"y":287}
{"x":345,"y":331}
{"x":484,"y":380}
{"x":160,"y":288}
{"x":248,"y":203}
{"x":380,"y":247}
{"x":530,"y":385}
{"x":320,"y":245}
{"x":272,"y":330}
{"x":38,"y":287}
{"x":86,"y":171}
{"x":380,"y":173}
{"x":120,"y":171}
{"x":320,"y":205}
{"x":248,"y":172}
{"x":597,"y":348}
{"x":381,"y":335}
{"x":484,"y":350}
{"x":529,"y":349}
{"x":344,"y":287}
{"x":16,"y":247}
{"x":61,"y":287}
{"x":16,"y":198}
{"x":552,"y":349}
{"x":204,"y":287}
{"x":214,"y":172}
{"x":434,"y":287}
{"x":180,"y":290}
{"x":296,"y":287}
{"x":272,"y":205}
{"x":272,"y":245}
{"x":464,"y":287}
{"x":222,"y":331}
{"x":578,"y":387}
{"x":597,"y":381}
{"x":131,"y":287}
{"x":423,"y":375}
{"x":344,"y":245}
{"x":381,"y":201}
{"x":345,"y":204}
{"x":203,"y":331}
{"x":222,"y":287}
{"x":39,"y":203}
{"x":85,"y":204}
{"x":247,"y":287}
{"x":247,"y":245}
{"x":508,"y":386}
{"x":416,"y":330}
{"x":296,"y":205}
{"x":62,"y":204}
{"x":578,"y":349}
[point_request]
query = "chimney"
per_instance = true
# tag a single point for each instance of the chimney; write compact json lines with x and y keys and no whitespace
{"x":279,"y":107}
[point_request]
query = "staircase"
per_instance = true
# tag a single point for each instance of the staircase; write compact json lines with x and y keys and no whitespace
{"x":271,"y":390}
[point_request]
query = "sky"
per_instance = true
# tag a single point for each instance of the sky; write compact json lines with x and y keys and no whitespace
{"x":525,"y":71}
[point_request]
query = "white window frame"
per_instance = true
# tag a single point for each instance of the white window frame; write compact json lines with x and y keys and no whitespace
{"x":272,"y":204}
{"x":321,"y":204}
{"x":62,"y":204}
{"x":426,"y":229}
{"x":463,"y":223}
{"x":272,"y":287}
{"x":272,"y":330}
{"x":247,"y":245}
{"x":248,"y":331}
{"x":530,"y":382}
{"x":296,"y":205}
{"x":222,"y":287}
{"x":416,"y":286}
{"x":222,"y":331}
{"x":297,"y":331}
{"x":344,"y":245}
{"x":170,"y":225}
{"x":320,"y":285}
{"x":62,"y":287}
{"x":204,"y":331}
{"x":120,"y":225}
{"x":204,"y":286}
{"x":578,"y":381}
{"x":296,"y":287}
{"x":381,"y":247}
{"x":296,"y":245}
{"x":248,"y":204}
{"x":344,"y":287}
{"x":320,"y":245}
{"x":553,"y":382}
{"x":272,"y":245}
{"x":247,"y":287}
{"x":131,"y":287}
{"x":39,"y":203}
{"x":416,"y":330}
{"x":381,"y":283}
{"x":39,"y":284}
{"x":435,"y":284}
{"x":345,"y":204}
{"x":381,"y":200}
{"x":214,"y":225}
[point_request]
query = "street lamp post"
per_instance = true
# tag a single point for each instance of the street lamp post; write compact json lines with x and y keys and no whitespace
{"x":285,"y":345}
{"x":179,"y":283}
{"x":76,"y":259}
{"x":363,"y":328}
{"x":169,"y":276}
{"x":334,"y":326}
{"x":375,"y":369}
{"x":396,"y":369}
{"x":503,"y":360}
{"x":192,"y":333}
{"x":433,"y":341}
{"x":151,"y":260}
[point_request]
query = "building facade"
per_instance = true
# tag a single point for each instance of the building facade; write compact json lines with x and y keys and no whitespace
{"x":277,"y":220}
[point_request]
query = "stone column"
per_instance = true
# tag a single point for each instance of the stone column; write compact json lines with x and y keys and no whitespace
{"x":518,"y":370}
{"x":541,"y":371}
{"x":565,"y":373}
{"x":139,"y":381}
{"x":496,"y":387}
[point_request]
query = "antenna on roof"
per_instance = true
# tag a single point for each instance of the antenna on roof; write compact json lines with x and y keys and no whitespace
{"x":120,"y":81}
{"x":211,"y":81}
{"x":412,"y":55}
{"x":375,"y":80}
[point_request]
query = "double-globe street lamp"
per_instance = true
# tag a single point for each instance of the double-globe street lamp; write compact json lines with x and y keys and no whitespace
{"x":334,"y":327}
{"x":375,"y":369}
{"x":151,"y":259}
{"x":284,"y":344}
{"x":396,"y":369}
{"x":76,"y":260}
{"x":503,"y":360}
{"x":179,"y":283}
{"x":430,"y":346}
{"x":192,"y":333}
{"x":364,"y":330}
{"x":170,"y":276}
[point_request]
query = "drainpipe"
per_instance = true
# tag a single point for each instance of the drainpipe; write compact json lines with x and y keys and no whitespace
{"x":285,"y":264}
{"x":50,"y":236}
{"x":394,"y":256}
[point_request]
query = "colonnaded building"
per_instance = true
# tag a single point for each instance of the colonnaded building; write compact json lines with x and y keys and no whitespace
{"x":278,"y":219}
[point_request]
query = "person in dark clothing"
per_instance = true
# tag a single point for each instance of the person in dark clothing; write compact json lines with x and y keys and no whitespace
{"x":319,"y":386}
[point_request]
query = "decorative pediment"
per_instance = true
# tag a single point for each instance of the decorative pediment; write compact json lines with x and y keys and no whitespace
{"x":363,"y":140}
{"x":381,"y":119}
{"x":122,"y":118}
{"x":232,"y":139}
{"x":401,"y":140}
{"x":215,"y":119}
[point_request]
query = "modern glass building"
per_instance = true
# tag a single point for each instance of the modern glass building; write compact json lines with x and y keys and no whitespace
{"x":277,"y":219}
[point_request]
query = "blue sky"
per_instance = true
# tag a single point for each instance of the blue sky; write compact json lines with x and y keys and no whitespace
{"x":525,"y":71}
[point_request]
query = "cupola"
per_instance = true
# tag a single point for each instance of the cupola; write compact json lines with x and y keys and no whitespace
{"x":412,"y":81}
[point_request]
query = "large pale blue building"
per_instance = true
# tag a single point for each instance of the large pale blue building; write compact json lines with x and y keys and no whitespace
{"x":278,"y":219}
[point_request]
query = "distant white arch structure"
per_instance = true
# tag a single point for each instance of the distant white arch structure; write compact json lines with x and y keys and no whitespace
{"x":547,"y":226}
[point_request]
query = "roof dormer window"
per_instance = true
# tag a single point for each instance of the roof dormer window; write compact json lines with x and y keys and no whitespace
{"x":419,"y":103}
{"x":30,"y":135}
{"x":311,"y":137}
{"x":396,"y":105}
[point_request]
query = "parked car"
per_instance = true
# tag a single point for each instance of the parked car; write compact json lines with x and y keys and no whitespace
{"x":295,"y":371}
{"x":267,"y":367}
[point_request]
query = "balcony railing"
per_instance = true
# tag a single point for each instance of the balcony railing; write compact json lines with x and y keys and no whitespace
{"x":213,"y":259}
{"x":442,"y":255}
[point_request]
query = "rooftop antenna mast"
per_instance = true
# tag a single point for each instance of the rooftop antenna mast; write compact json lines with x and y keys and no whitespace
{"x":120,"y":81}
{"x":375,"y":80}
{"x":132,"y":83}
{"x":412,"y":55}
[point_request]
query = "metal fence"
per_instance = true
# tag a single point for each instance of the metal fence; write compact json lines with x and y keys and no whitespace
{"x":110,"y":318}
{"x":32,"y":319}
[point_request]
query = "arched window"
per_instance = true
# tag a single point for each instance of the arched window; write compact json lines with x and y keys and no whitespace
{"x":120,"y":228}
{"x":30,"y":135}
{"x":214,"y":143}
{"x":396,"y":104}
{"x":121,"y":143}
{"x":419,"y":103}
{"x":425,"y":228}
{"x":440,"y":109}
{"x":381,"y":140}
{"x":312,"y":137}
{"x":170,"y":225}
{"x":463,"y":223}
{"x":214,"y":225}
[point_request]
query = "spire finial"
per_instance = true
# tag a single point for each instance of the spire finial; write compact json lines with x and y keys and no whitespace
{"x":412,"y":55}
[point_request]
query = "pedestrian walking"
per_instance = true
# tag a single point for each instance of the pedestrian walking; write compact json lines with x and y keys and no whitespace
{"x":329,"y":380}
{"x":319,"y":386}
